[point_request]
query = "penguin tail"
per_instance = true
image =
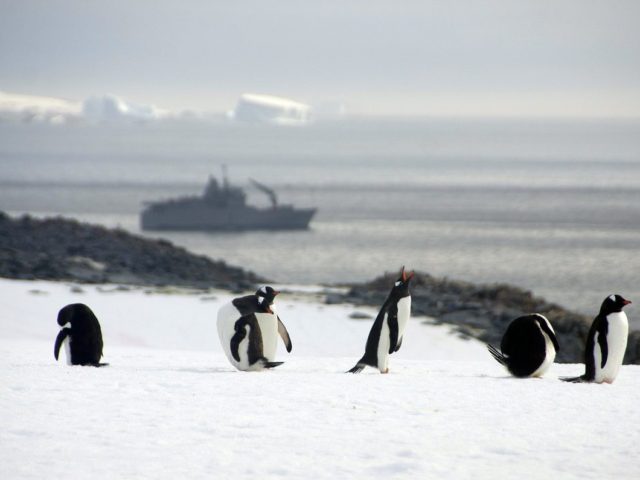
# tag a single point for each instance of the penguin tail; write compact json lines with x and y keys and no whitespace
{"x":579,"y":379}
{"x":357,"y":369}
{"x":267,"y":364}
{"x":497,"y":354}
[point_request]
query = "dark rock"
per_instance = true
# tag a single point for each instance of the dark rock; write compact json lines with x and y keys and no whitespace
{"x":62,"y":249}
{"x":485,"y":311}
{"x":360,"y":316}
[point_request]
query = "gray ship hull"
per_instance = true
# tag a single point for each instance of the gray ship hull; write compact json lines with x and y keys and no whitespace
{"x":207,"y":217}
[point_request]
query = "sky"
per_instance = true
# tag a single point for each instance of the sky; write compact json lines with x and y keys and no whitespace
{"x":494,"y":57}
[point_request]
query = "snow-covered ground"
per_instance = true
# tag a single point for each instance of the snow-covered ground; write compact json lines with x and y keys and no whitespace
{"x":170,"y":406}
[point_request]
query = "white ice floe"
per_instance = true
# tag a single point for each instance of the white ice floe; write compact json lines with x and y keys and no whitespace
{"x":170,"y":405}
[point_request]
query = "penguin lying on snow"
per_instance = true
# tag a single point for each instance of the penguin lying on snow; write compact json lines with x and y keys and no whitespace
{"x":248,"y":329}
{"x":82,"y":337}
{"x":606,"y":343}
{"x":528,"y":347}
{"x":388,"y":328}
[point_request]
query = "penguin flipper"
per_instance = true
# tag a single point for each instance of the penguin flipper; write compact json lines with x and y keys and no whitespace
{"x":602,"y":342}
{"x":498,"y":355}
{"x":62,"y":335}
{"x":399,"y":344}
{"x":234,"y":344}
{"x":392,"y":321}
{"x":284,"y":334}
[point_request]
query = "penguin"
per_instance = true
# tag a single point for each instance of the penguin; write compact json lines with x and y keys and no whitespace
{"x":528,"y":347}
{"x":606,"y":343}
{"x":388,"y":328}
{"x":80,"y":334}
{"x":248,"y":329}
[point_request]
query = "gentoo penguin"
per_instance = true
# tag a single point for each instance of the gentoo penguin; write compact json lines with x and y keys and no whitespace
{"x":528,"y":347}
{"x":81,"y":335}
{"x":606,"y":343}
{"x":248,"y":329}
{"x":388,"y":328}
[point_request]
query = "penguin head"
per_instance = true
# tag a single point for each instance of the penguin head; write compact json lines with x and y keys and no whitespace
{"x":73,"y":312}
{"x":613,"y":303}
{"x":401,"y":286}
{"x":266,"y":296}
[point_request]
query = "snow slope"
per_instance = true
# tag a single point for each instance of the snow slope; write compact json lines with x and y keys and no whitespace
{"x":170,"y":406}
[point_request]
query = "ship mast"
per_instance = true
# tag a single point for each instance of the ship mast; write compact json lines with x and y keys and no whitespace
{"x":268,"y":191}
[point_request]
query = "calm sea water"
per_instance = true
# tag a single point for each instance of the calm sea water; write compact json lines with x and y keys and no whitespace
{"x":552,"y":206}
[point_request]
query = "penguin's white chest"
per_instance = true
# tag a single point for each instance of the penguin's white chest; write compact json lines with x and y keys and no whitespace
{"x":618,"y":331}
{"x":550,"y":356}
{"x":404,"y":312}
{"x":269,"y":327}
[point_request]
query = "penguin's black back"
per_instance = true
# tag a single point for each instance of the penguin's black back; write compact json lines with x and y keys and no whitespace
{"x":599,"y":325}
{"x":247,"y":305}
{"x":86,"y":335}
{"x":524,"y":346}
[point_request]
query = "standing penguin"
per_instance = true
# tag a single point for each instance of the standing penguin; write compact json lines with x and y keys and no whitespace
{"x":81,"y":335}
{"x":528,"y":347}
{"x":606,"y":343}
{"x":388,"y":328}
{"x":248,"y":329}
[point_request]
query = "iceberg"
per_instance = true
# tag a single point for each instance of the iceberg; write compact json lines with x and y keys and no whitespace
{"x":260,"y":109}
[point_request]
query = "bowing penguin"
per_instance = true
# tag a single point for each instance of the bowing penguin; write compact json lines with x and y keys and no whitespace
{"x":80,"y":334}
{"x":388,"y":328}
{"x":528,"y":347}
{"x":248,"y":329}
{"x":606,"y":343}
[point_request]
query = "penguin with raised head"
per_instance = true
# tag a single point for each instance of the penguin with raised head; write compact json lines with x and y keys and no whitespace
{"x":248,"y":329}
{"x":80,"y":334}
{"x":387,"y":332}
{"x":606,"y":343}
{"x":528,"y":347}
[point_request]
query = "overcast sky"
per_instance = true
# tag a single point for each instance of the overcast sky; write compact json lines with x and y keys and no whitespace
{"x":398,"y":57}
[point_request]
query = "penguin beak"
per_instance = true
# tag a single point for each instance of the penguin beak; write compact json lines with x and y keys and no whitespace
{"x":276,"y":292}
{"x":626,"y":302}
{"x":406,"y":276}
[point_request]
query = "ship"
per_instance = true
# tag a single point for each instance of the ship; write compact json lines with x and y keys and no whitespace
{"x":223,"y":207}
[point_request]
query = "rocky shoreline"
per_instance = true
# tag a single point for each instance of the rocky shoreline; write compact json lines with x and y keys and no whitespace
{"x":67,"y":250}
{"x":484,"y":311}
{"x":63,"y":249}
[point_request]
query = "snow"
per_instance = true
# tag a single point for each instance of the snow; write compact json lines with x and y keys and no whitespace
{"x":170,"y":405}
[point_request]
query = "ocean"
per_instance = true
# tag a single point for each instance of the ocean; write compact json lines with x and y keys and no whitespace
{"x":548,"y":205}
